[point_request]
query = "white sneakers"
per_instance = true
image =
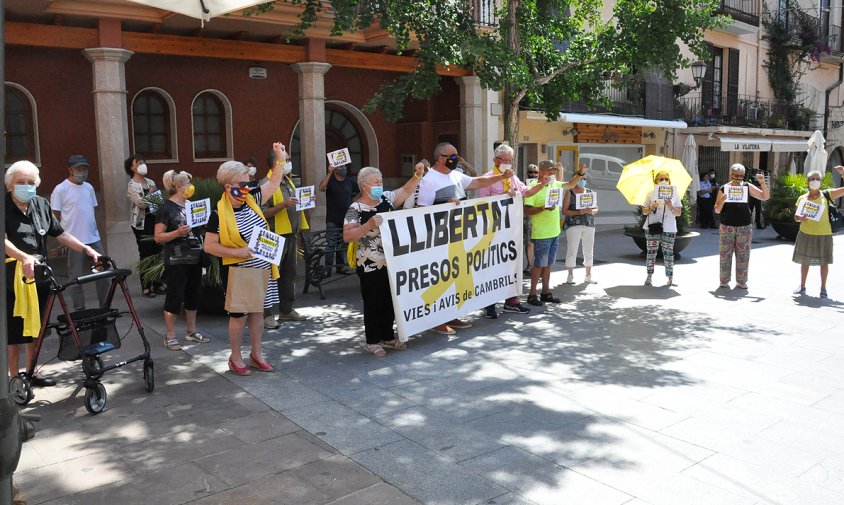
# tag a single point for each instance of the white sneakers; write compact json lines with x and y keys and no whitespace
{"x":587,"y":279}
{"x":570,"y":278}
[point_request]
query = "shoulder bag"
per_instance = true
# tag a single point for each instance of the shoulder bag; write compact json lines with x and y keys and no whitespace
{"x":835,"y":219}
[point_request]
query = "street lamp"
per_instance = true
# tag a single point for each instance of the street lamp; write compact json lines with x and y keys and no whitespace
{"x":698,"y":71}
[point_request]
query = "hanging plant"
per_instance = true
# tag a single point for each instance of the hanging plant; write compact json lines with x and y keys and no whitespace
{"x":794,"y":43}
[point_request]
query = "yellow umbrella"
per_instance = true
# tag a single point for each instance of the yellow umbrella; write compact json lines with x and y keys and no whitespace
{"x":637,"y":179}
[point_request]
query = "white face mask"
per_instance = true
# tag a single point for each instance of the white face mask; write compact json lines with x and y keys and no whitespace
{"x":252,"y":171}
{"x":814,"y":185}
{"x":142,"y":169}
{"x":288,"y":167}
{"x":552,"y":179}
{"x":504,"y":167}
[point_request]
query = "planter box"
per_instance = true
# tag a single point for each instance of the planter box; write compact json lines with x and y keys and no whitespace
{"x":786,"y":230}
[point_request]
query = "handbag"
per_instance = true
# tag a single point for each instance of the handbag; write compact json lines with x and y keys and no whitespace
{"x":187,"y":252}
{"x":656,"y":228}
{"x":246,"y":289}
{"x":836,"y":221}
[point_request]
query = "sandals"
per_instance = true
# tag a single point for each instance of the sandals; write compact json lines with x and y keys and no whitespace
{"x":195,"y":336}
{"x":443,"y":329}
{"x":172,"y":344}
{"x":394,"y":344}
{"x":149,"y":293}
{"x":375,"y":350}
{"x":239,"y":370}
{"x":261,"y":366}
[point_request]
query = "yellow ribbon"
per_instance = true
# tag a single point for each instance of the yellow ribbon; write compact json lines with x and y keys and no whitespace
{"x":282,"y":221}
{"x":230,"y":235}
{"x":505,"y":182}
{"x":26,"y":302}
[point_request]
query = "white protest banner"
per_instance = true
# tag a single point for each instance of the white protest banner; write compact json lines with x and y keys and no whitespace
{"x":586,"y":200}
{"x":664,"y":192}
{"x":812,"y":210}
{"x":305,"y":195}
{"x":445,"y":261}
{"x":735,"y":194}
{"x":266,"y":245}
{"x":197,"y":213}
{"x":553,"y":196}
{"x":339,"y":158}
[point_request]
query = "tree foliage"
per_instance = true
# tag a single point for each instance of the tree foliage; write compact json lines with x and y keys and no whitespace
{"x":551,"y":52}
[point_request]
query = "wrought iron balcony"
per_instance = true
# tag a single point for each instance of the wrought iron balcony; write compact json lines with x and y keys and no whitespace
{"x":745,"y":11}
{"x":627,"y":101}
{"x":747,"y":111}
{"x":483,"y":13}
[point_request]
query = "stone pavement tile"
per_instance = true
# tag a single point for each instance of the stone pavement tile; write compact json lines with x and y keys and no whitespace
{"x":793,"y":357}
{"x":767,"y":485}
{"x":260,"y":426}
{"x":439,"y":433}
{"x":399,"y":375}
{"x":524,"y":419}
{"x":177,"y":449}
{"x":29,"y":459}
{"x":770,"y":405}
{"x":511,"y":499}
{"x":218,"y":411}
{"x":625,"y":409}
{"x":831,"y":403}
{"x":426,"y":476}
{"x":819,"y":385}
{"x":792,"y":392}
{"x":252,"y":462}
{"x":280,"y":392}
{"x":823,"y":438}
{"x":172,"y":486}
{"x":283,"y":488}
{"x":336,"y":476}
{"x":365,"y":397}
{"x":341,"y":427}
{"x":72,"y":476}
{"x":695,"y":398}
{"x":379,"y":494}
{"x":719,"y":428}
{"x":540,"y":480}
{"x":828,"y":473}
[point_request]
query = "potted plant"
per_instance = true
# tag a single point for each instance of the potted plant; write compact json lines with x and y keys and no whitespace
{"x":781,"y":207}
{"x":684,"y":236}
{"x":212,"y":299}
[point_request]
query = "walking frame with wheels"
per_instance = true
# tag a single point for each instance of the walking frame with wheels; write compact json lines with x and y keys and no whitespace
{"x":85,"y":334}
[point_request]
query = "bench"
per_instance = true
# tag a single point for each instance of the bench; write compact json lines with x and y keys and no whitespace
{"x":316,"y":246}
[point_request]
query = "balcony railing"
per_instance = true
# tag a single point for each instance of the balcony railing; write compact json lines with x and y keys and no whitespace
{"x":483,"y":13}
{"x":627,"y":101}
{"x":746,"y":11}
{"x":748,"y":111}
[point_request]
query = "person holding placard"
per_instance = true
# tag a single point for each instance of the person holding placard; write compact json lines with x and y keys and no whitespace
{"x":142,"y":217}
{"x":544,"y":215}
{"x":181,"y":249}
{"x":362,"y":226}
{"x":237,"y":217}
{"x":579,"y":212}
{"x":503,"y":160}
{"x":662,"y":208}
{"x":340,"y":189}
{"x":285,"y":220}
{"x":814,"y":240}
{"x":736,"y":232}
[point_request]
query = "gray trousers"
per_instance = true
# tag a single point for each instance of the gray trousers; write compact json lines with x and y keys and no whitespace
{"x":78,"y":264}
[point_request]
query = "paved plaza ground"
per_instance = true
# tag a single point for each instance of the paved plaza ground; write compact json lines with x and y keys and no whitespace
{"x":621,"y":394}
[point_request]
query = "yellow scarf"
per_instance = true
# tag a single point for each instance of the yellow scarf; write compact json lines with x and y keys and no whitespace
{"x":26,"y":302}
{"x":504,"y":182}
{"x":229,"y":234}
{"x":282,"y":222}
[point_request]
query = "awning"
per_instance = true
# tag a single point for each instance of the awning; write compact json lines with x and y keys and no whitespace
{"x":754,"y":144}
{"x":621,"y":121}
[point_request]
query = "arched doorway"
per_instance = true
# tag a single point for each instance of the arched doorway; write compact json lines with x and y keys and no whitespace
{"x":345,"y":127}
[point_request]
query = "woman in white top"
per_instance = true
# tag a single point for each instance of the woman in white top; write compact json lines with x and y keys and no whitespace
{"x":661,"y":225}
{"x":141,"y":218}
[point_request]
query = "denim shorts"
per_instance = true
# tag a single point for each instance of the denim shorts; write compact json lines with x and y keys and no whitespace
{"x":545,"y":251}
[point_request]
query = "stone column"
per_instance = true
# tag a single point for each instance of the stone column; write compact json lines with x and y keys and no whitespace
{"x":311,"y":76}
{"x":472,"y":126}
{"x":112,"y":125}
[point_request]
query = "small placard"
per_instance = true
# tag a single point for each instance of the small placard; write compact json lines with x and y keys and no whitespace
{"x":735,"y":194}
{"x":197,"y":213}
{"x":811,"y":210}
{"x":339,"y":158}
{"x":306,"y":198}
{"x":552,"y":197}
{"x":266,"y":245}
{"x":586,"y":200}
{"x":664,"y":192}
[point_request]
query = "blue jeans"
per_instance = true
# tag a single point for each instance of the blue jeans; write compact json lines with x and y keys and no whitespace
{"x":545,"y":251}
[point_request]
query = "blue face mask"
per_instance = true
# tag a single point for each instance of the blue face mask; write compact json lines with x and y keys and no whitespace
{"x":24,"y":192}
{"x":375,"y":192}
{"x":582,"y":183}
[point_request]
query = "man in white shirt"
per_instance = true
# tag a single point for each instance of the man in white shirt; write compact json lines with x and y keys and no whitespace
{"x":441,"y":184}
{"x":73,"y":202}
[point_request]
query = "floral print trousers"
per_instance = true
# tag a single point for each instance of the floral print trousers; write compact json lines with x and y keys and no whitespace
{"x":666,"y":240}
{"x":735,"y":240}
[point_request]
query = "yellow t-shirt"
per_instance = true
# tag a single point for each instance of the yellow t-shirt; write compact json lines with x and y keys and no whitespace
{"x":545,"y":224}
{"x":821,"y":227}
